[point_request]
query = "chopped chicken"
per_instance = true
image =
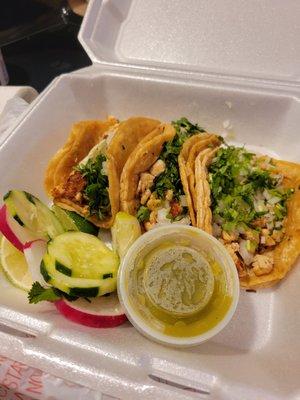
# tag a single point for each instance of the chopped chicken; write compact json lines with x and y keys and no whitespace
{"x":242,"y":272}
{"x":229,"y":237}
{"x":232,"y":249}
{"x":277,"y":235}
{"x":75,"y":184}
{"x":169,"y":195}
{"x":78,"y":196}
{"x":158,"y":168}
{"x":145,"y":182}
{"x":268,"y":240}
{"x":260,"y":222}
{"x":252,"y":235}
{"x":153,"y":203}
{"x":153,"y":217}
{"x":148,"y":225}
{"x":263,"y":263}
{"x":145,"y":196}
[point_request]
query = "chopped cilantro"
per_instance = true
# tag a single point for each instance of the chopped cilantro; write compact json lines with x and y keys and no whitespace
{"x":143,"y":214}
{"x":38,"y":293}
{"x":236,"y":179}
{"x":96,"y":190}
{"x":170,"y":178}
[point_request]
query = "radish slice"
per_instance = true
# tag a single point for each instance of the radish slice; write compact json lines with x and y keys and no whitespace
{"x":34,"y":252}
{"x":16,"y":234}
{"x":102,"y":312}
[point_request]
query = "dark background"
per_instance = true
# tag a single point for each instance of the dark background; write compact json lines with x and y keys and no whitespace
{"x":38,"y":40}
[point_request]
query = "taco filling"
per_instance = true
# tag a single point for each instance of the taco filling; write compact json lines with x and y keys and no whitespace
{"x":95,"y":189}
{"x":87,"y":186}
{"x":160,"y":192}
{"x":249,"y":208}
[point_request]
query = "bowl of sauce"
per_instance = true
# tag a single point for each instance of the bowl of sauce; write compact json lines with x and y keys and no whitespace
{"x":178,"y":285}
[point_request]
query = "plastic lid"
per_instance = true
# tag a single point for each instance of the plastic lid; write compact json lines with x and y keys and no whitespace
{"x":257,"y":39}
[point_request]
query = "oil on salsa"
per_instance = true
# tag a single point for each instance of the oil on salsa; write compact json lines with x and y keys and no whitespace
{"x":178,"y":290}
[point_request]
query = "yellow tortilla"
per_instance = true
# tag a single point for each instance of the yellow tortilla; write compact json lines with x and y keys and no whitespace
{"x":128,"y":135}
{"x":84,"y":136}
{"x":202,"y":190}
{"x":140,"y":160}
{"x":186,"y":161}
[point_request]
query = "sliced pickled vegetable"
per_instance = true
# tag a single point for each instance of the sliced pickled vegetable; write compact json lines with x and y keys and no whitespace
{"x":29,"y":212}
{"x":125,"y":230}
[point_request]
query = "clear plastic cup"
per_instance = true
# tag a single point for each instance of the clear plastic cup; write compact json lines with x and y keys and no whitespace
{"x":179,"y":235}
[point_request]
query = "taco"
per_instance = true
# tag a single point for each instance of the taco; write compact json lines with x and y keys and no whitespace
{"x":84,"y":175}
{"x":251,"y":204}
{"x":152,"y":186}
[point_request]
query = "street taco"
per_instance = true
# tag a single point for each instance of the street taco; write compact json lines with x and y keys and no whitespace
{"x":84,"y":175}
{"x":251,"y":204}
{"x":151,"y":184}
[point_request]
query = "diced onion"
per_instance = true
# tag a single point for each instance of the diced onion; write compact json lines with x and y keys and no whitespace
{"x":266,"y":195}
{"x":162,"y":216}
{"x":259,"y":205}
{"x":104,"y":170}
{"x":274,"y":200}
{"x":216,"y":230}
{"x":270,"y":226}
{"x":246,"y":255}
{"x":183,"y":201}
{"x":183,"y":221}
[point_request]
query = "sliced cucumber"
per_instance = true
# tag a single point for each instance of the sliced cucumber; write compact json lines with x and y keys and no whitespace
{"x":81,"y":255}
{"x":80,"y":287}
{"x":30,"y":212}
{"x":71,"y":221}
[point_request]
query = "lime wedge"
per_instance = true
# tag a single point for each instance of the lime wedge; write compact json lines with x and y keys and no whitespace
{"x":71,"y":221}
{"x":125,"y":230}
{"x":178,"y":280}
{"x":15,"y":266}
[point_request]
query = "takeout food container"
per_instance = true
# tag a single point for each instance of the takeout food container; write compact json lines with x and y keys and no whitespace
{"x":231,"y":66}
{"x":189,"y":237}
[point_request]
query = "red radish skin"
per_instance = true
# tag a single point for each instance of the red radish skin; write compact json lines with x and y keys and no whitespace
{"x":91,"y":320}
{"x":15,"y":233}
{"x":6,"y":229}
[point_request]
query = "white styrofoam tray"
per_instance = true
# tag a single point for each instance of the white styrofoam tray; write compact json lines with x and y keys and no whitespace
{"x":257,"y":355}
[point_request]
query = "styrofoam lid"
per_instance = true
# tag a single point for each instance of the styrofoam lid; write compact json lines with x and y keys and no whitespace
{"x":257,"y":38}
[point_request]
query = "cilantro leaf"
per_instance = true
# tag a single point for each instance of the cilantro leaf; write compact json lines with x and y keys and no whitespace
{"x":96,"y":190}
{"x":236,"y":179}
{"x":38,"y":293}
{"x":143,"y":214}
{"x":170,"y":178}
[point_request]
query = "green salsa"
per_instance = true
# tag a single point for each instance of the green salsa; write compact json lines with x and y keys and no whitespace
{"x":192,"y":294}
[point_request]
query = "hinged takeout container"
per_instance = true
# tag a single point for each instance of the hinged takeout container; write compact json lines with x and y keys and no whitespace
{"x":225,"y":64}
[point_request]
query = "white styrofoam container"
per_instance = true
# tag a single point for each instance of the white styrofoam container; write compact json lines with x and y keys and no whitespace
{"x":226,"y":60}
